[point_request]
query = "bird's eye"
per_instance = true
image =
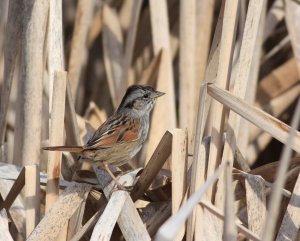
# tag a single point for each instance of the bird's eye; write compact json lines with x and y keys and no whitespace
{"x":146,"y":96}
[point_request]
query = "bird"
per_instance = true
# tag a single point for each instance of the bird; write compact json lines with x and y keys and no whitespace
{"x":122,"y":135}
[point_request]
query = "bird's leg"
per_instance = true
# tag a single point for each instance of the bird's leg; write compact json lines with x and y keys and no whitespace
{"x":119,"y":185}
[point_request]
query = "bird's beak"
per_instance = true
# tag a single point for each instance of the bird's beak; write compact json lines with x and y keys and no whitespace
{"x":157,"y":94}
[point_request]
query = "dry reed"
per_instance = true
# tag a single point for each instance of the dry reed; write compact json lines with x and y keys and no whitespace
{"x":223,"y":65}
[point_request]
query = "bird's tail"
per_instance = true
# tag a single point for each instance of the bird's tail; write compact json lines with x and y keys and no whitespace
{"x":75,"y":149}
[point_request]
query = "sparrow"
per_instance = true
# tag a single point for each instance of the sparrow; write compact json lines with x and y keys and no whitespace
{"x":122,"y":135}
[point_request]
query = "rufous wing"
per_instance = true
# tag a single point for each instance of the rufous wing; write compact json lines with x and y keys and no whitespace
{"x":127,"y":132}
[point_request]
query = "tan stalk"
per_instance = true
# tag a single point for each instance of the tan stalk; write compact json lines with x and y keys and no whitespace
{"x":55,"y":44}
{"x":165,"y":82}
{"x":56,"y":137}
{"x":179,"y":171}
{"x":187,"y":78}
{"x":223,"y":76}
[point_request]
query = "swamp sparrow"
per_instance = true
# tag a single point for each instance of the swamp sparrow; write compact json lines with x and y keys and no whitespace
{"x":122,"y":135}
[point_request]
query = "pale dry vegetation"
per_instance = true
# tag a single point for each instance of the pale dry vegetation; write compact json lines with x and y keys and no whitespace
{"x":221,"y":161}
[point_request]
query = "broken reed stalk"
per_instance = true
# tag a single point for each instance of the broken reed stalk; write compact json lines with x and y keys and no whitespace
{"x":187,"y":78}
{"x":56,"y":137}
{"x":274,"y":202}
{"x":55,"y":44}
{"x":157,"y":160}
{"x":35,"y":20}
{"x":12,"y":40}
{"x":179,"y":172}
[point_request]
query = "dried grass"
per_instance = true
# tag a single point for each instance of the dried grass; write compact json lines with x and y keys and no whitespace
{"x":223,"y":64}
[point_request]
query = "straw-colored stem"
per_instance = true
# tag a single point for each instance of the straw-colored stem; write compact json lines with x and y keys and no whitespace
{"x":244,"y":132}
{"x":56,"y":137}
{"x":179,"y":171}
{"x":195,"y":221}
{"x":32,"y":200}
{"x":157,"y":160}
{"x":71,"y":125}
{"x":35,"y":20}
{"x":187,"y":78}
{"x":165,"y":82}
{"x":212,"y":69}
{"x":55,"y":44}
{"x":223,"y":77}
{"x":204,"y":23}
